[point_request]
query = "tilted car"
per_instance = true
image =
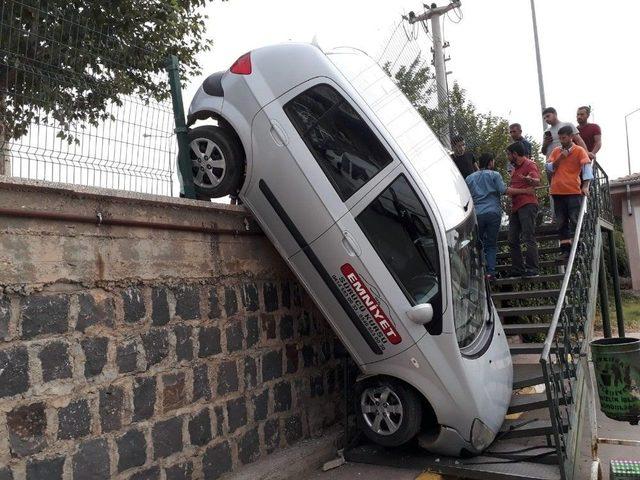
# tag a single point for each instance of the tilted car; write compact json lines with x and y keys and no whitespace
{"x":367,"y":208}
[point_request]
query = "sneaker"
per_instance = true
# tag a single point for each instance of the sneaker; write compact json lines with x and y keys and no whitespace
{"x":490,"y":278}
{"x":531,"y":273}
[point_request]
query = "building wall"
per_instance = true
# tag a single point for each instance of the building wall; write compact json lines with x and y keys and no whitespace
{"x":143,"y":353}
{"x":630,"y":227}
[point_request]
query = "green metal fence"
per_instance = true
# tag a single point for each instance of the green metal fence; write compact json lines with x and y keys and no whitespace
{"x":74,"y":108}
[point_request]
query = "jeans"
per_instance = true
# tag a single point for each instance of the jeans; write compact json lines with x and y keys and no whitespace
{"x":488,"y":226}
{"x":522,"y":228}
{"x":567,"y":212}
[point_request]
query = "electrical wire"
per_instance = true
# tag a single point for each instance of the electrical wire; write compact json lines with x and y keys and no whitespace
{"x":459,"y":14}
{"x":390,"y":38}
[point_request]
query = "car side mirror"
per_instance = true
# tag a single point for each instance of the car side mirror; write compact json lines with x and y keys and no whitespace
{"x":421,"y":314}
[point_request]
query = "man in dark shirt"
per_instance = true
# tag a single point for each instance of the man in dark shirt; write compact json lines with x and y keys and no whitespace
{"x":590,"y":132}
{"x":515,"y":131}
{"x":465,"y":161}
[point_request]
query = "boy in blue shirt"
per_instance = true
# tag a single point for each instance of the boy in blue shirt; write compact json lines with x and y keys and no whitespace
{"x":486,"y":187}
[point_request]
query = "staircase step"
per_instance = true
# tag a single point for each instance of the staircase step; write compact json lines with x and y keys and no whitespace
{"x":541,"y":456}
{"x":555,"y":277}
{"x":541,"y":252}
{"x":526,"y":311}
{"x":528,"y":348}
{"x":520,"y":328}
{"x":545,"y":229}
{"x":535,"y":428}
{"x":525,"y":295}
{"x":527,"y":403}
{"x":527,"y":375}
{"x":547,"y":237}
{"x":478,"y":468}
{"x":541,"y":264}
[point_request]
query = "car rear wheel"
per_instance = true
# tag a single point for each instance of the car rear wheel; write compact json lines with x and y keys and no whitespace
{"x":217,"y":161}
{"x":389,"y":412}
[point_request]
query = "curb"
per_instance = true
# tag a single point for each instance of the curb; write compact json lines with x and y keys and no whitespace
{"x":294,"y":462}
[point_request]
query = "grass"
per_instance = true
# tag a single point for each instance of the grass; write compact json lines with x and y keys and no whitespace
{"x":630,"y":311}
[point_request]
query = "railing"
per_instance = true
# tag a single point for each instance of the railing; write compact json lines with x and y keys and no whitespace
{"x":80,"y":103}
{"x":571,"y":319}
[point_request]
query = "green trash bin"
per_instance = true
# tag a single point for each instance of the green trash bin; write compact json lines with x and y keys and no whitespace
{"x":616,"y":362}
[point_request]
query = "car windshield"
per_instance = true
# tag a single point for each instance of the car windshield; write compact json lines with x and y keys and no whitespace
{"x":470,"y":308}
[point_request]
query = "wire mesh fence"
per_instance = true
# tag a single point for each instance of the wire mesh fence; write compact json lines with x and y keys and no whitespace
{"x":78,"y":107}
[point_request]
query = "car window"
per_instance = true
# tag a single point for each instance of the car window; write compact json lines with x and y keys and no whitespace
{"x":400,"y":230}
{"x":342,"y":143}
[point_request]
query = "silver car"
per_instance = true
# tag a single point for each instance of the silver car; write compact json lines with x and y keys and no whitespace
{"x":367,"y":208}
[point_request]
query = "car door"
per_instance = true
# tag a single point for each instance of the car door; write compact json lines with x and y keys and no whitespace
{"x":378,"y":262}
{"x":313,"y":150}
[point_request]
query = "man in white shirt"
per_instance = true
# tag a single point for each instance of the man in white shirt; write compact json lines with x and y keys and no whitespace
{"x":551,"y":140}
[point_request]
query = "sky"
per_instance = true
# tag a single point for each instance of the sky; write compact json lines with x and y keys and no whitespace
{"x":587,"y":53}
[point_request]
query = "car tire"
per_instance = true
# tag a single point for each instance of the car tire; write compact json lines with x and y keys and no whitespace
{"x":217,"y":161}
{"x":397,"y":416}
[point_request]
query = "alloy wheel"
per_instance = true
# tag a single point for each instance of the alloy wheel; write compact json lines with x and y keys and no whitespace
{"x":381,"y":410}
{"x":208,"y":163}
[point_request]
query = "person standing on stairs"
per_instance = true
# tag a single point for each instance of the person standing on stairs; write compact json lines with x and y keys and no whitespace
{"x":465,"y":161}
{"x":572,"y":174}
{"x":515,"y":132}
{"x":486,"y":187}
{"x":551,"y":138}
{"x":524,"y":211}
{"x":590,"y":132}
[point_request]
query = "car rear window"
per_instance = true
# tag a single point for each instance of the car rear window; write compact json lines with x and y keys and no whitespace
{"x":400,"y":230}
{"x":342,"y":143}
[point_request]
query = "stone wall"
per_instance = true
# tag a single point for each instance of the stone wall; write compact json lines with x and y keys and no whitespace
{"x":146,"y":353}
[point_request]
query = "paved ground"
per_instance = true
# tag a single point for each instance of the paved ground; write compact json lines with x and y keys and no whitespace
{"x":611,"y":429}
{"x":350,"y":471}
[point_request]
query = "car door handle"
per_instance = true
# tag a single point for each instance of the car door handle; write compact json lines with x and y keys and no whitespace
{"x":278,"y":134}
{"x":350,"y":245}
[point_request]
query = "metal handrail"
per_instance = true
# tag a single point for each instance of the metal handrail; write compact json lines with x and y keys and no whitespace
{"x":567,"y":323}
{"x":546,"y":350}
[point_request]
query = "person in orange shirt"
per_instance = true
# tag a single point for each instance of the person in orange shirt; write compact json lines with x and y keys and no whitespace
{"x":572,"y":174}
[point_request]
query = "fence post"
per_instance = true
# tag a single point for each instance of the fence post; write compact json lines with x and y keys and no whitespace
{"x":617,"y":296}
{"x":184,"y":161}
{"x":604,"y":296}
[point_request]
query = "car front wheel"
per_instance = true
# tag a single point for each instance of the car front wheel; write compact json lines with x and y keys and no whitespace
{"x":217,"y":161}
{"x":389,"y":412}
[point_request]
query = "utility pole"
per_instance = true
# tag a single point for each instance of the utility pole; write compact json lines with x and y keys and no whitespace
{"x":543,"y":102}
{"x":626,"y":132}
{"x":434,"y":13}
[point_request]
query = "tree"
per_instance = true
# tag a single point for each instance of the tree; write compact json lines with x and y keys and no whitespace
{"x":66,"y":61}
{"x":483,"y":132}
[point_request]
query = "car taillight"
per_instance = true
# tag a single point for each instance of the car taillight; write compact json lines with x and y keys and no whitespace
{"x":242,"y":66}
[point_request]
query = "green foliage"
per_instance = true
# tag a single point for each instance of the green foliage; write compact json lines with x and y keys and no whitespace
{"x":624,"y":269}
{"x":483,"y":132}
{"x":67,"y":60}
{"x":630,"y":312}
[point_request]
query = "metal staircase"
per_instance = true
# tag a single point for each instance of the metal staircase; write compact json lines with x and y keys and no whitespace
{"x":549,"y":321}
